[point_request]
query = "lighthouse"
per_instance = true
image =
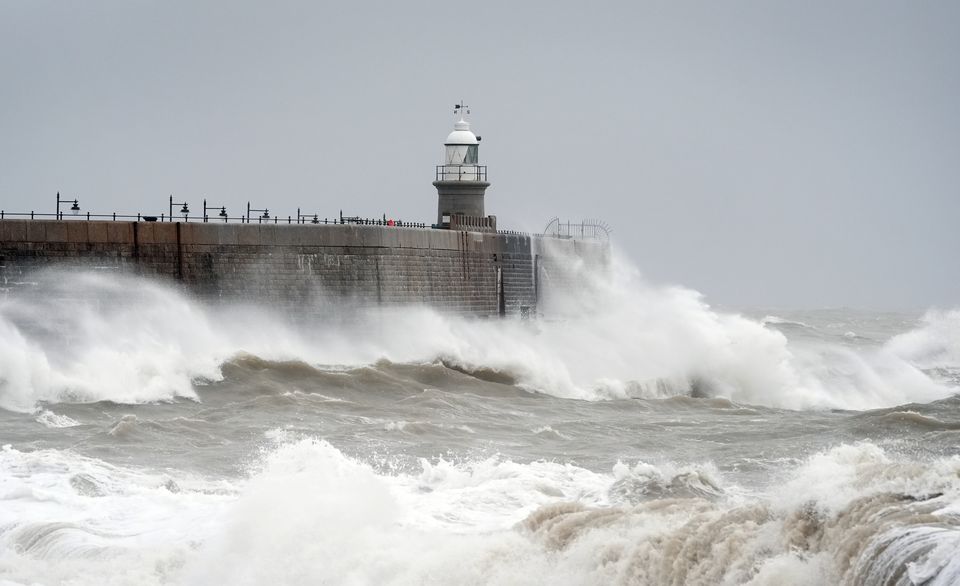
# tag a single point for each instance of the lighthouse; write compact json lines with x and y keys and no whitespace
{"x":461,"y":181}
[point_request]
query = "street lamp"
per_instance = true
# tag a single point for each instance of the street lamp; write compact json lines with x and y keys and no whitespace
{"x":302,"y":218}
{"x":222,"y":214}
{"x":75,"y":208}
{"x":184,"y":210}
{"x":265,"y":216}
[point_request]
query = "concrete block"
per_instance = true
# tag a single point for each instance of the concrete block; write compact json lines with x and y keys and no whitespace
{"x":144,"y":232}
{"x":197,"y":233}
{"x":190,"y":233}
{"x":443,"y":240}
{"x":13,"y":230}
{"x":268,"y":234}
{"x":194,"y":233}
{"x":230,"y":233}
{"x":163,"y":233}
{"x":219,"y":233}
{"x":287,"y":235}
{"x":97,"y":232}
{"x":336,"y":235}
{"x":77,"y":231}
{"x":422,"y":238}
{"x":119,"y":232}
{"x":248,"y":234}
{"x":313,"y":234}
{"x":371,"y":235}
{"x":37,"y":231}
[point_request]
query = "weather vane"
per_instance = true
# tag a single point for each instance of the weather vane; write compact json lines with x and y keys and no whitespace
{"x":461,"y":108}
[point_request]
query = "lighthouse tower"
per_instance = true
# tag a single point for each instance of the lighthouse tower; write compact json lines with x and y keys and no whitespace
{"x":461,"y":180}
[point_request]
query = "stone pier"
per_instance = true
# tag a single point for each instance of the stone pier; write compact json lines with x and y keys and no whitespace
{"x":473,"y":273}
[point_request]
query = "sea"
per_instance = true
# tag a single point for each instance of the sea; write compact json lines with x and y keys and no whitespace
{"x":629,"y":434}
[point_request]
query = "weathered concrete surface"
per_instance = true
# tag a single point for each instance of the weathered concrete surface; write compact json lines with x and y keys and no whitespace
{"x":300,"y":265}
{"x":460,"y":197}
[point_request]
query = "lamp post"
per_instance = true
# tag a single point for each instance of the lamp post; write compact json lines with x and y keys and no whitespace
{"x":75,"y":208}
{"x":265,"y":216}
{"x":222,"y":214}
{"x":184,"y":210}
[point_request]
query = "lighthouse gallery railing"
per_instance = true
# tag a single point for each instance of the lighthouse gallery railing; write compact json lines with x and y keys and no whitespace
{"x":461,"y":172}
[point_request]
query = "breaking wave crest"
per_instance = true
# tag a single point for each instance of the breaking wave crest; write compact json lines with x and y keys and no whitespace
{"x":853,"y":514}
{"x":934,"y":346}
{"x":614,"y":336}
{"x":307,"y":513}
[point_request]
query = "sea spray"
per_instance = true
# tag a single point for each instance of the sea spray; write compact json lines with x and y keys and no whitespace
{"x":933,"y":345}
{"x":320,"y":515}
{"x":304,"y":512}
{"x":631,"y":435}
{"x":615,"y":336}
{"x":88,"y":337}
{"x":68,"y":518}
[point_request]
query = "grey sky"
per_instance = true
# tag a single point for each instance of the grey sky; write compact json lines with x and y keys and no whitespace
{"x":798,"y":154}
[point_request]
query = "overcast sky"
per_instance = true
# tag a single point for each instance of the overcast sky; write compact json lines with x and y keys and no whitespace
{"x":776,"y":154}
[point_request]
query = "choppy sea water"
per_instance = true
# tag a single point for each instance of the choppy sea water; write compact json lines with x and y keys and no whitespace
{"x":631,"y":435}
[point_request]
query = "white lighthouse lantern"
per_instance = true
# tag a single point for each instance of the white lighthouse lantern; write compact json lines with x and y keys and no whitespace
{"x":460,"y":156}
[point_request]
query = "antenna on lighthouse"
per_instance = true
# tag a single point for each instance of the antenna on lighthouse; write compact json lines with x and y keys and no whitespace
{"x":461,"y":109}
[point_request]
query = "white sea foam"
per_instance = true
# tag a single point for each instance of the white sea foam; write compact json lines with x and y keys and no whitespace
{"x":50,"y":419}
{"x":782,"y":321}
{"x":546,"y":430}
{"x":935,"y":344}
{"x":615,"y":337}
{"x":66,"y":518}
{"x":85,"y":337}
{"x":88,"y":337}
{"x":621,"y":337}
{"x":499,"y":522}
{"x":425,"y":427}
{"x":308,"y":514}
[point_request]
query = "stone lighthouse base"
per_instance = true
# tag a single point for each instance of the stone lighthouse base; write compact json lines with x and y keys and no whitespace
{"x":464,"y":198}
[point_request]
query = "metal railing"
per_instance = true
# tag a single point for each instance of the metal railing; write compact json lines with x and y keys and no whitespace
{"x":461,"y":172}
{"x":583,"y":230}
{"x":313,"y":219}
{"x":300,"y":219}
{"x":66,"y":216}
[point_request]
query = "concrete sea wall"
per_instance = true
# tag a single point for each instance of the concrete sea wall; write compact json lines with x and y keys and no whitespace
{"x":474,"y":273}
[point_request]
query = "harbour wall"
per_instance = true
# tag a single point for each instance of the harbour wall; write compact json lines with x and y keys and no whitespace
{"x":305,"y":267}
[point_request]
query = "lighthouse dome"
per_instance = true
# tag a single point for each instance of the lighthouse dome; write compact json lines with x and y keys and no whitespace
{"x":461,"y":134}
